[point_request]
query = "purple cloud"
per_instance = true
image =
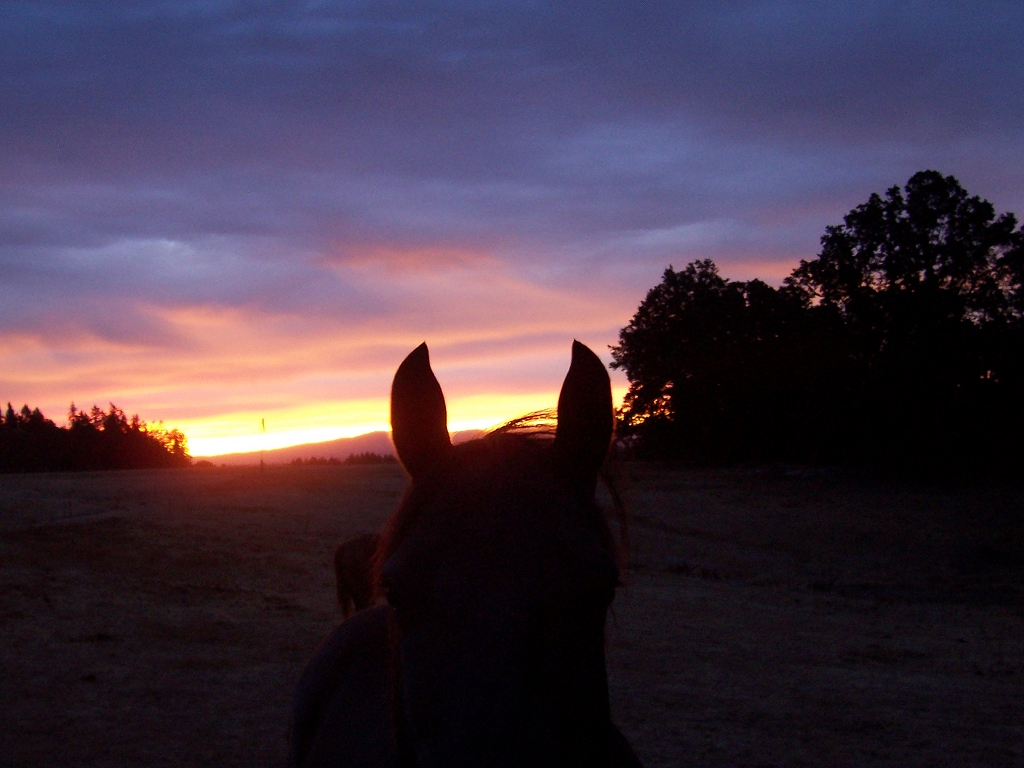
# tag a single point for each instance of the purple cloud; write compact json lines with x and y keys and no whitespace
{"x":375,"y":171}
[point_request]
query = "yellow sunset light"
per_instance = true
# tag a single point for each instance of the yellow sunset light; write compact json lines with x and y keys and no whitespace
{"x":241,"y":433}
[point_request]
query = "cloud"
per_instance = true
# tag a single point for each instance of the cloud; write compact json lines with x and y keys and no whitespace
{"x":208,"y":207}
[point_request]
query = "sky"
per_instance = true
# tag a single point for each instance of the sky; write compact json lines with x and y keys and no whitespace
{"x":213,"y":213}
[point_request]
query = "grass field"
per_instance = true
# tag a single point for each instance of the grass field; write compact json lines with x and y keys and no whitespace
{"x":770,"y":618}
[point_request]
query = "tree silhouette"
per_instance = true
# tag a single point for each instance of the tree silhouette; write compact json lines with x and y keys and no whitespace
{"x":92,"y":440}
{"x":901,"y":343}
{"x":916,"y":259}
{"x":927,"y":281}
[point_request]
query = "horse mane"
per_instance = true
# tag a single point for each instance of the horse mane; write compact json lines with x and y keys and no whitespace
{"x":513,"y":439}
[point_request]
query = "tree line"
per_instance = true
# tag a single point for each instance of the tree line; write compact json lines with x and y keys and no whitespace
{"x":901,"y":345}
{"x":92,"y":440}
{"x":367,"y":457}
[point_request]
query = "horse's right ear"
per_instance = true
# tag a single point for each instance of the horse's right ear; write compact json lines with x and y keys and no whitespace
{"x":419,"y":419}
{"x":585,"y":417}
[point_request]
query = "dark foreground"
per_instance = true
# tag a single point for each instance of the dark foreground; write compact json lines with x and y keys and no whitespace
{"x":771,"y":619}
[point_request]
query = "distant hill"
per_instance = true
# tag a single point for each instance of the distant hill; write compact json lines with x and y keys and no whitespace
{"x":373,"y":442}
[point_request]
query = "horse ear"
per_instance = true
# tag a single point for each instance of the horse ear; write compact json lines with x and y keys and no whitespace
{"x":585,"y":417}
{"x":419,"y":419}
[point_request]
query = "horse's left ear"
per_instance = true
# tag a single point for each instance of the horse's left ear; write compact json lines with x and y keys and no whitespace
{"x":585,"y":417}
{"x":419,"y":418}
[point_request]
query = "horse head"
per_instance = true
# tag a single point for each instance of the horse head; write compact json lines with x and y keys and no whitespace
{"x":500,"y":569}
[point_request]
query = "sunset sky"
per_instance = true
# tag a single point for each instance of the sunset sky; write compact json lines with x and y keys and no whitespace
{"x":217,"y":212}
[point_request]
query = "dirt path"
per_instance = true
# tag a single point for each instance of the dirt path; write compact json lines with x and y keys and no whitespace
{"x":162,"y":618}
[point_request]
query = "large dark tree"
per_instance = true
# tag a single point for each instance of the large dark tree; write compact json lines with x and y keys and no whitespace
{"x":919,"y":258}
{"x":900,"y":344}
{"x":927,"y":281}
{"x":710,"y":364}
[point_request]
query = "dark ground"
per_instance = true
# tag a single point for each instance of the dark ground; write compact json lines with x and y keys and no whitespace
{"x":771,"y":618}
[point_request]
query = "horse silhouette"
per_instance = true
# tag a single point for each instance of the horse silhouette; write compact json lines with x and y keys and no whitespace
{"x":498,"y":568}
{"x":353,"y":572}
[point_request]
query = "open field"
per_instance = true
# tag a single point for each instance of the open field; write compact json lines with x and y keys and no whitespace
{"x":770,"y":619}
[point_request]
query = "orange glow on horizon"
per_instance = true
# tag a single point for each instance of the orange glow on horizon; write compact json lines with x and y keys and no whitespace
{"x":500,"y":344}
{"x":240,"y":432}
